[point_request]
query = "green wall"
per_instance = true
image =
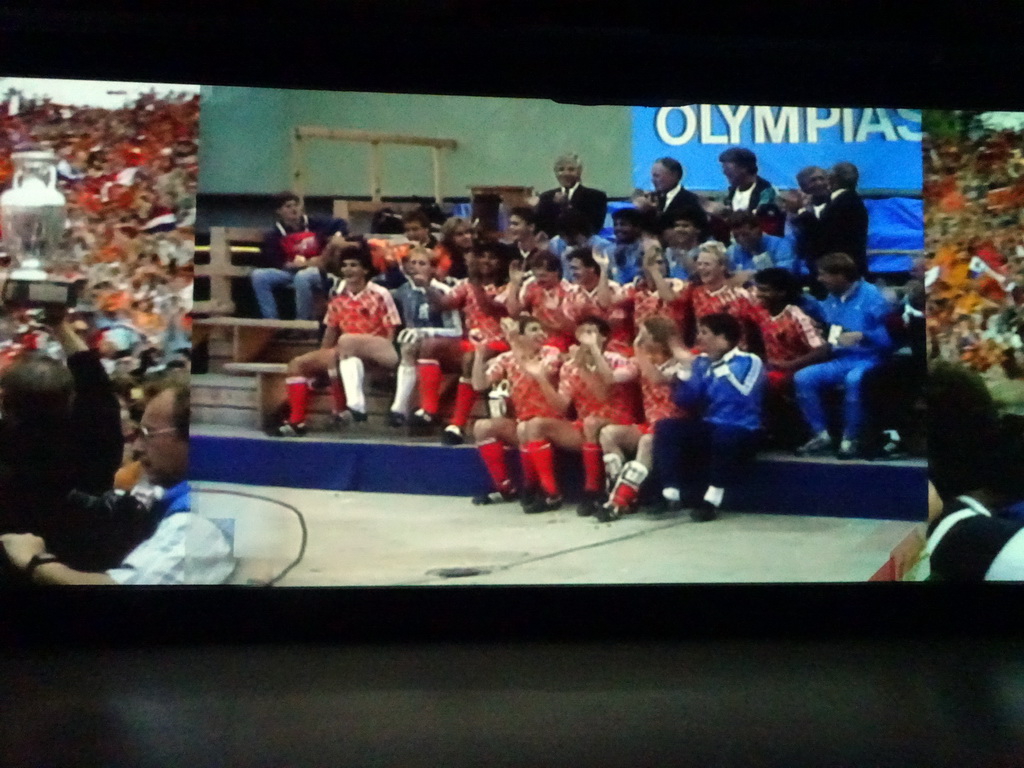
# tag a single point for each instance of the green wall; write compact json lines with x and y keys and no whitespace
{"x":244,"y":136}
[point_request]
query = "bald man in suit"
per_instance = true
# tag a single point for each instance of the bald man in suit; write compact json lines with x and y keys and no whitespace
{"x":570,"y":194}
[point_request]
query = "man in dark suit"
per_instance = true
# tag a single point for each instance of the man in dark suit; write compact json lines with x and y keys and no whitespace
{"x":805,"y":211}
{"x":834,"y":219}
{"x":570,"y":193}
{"x":844,"y":222}
{"x":669,"y":195}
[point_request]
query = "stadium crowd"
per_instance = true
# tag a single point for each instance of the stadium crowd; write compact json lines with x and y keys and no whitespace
{"x":129,"y":179}
{"x":95,"y":409}
{"x":974,"y":219}
{"x":670,"y":351}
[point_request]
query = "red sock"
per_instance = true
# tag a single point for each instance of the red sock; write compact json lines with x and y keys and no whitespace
{"x":338,"y":394}
{"x":624,"y":496}
{"x":465,"y":399}
{"x":529,"y":470}
{"x":298,"y":398}
{"x":493,"y":454}
{"x":593,"y":468}
{"x":543,"y":456}
{"x":429,"y":380}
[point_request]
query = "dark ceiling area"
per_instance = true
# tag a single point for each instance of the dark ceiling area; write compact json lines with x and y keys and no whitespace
{"x":865,"y":53}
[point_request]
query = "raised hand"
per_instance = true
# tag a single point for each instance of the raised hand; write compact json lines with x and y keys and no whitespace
{"x":681,"y":353}
{"x":640,"y":340}
{"x":477,"y":339}
{"x":509,"y":328}
{"x":588,"y":339}
{"x":602,"y":261}
{"x":515,"y":271}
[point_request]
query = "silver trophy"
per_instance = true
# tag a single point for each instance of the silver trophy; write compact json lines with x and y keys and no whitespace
{"x":33,"y":214}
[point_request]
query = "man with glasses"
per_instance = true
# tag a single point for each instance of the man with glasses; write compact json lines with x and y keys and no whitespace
{"x":182,"y":547}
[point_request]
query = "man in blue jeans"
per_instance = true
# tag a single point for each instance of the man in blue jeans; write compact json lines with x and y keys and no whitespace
{"x":855,"y":313}
{"x":290,"y":256}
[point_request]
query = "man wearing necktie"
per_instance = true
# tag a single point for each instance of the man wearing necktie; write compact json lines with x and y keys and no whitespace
{"x":570,"y":194}
{"x":669,"y":194}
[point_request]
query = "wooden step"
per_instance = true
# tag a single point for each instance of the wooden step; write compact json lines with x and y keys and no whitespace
{"x":247,"y":398}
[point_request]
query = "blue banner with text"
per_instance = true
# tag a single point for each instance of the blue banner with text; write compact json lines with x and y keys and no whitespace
{"x":884,"y":144}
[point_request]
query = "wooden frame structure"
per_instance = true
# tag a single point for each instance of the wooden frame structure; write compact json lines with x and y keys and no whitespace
{"x":305,"y":133}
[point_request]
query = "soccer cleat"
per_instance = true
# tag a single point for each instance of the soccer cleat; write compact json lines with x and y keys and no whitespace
{"x":452,"y":435}
{"x":543,"y":504}
{"x":704,"y":512}
{"x":607,"y":513}
{"x":421,"y":419}
{"x":666,"y":507}
{"x":287,"y":429}
{"x":495,"y":497}
{"x":848,"y":449}
{"x":817,"y":445}
{"x":589,"y":505}
{"x":396,"y":419}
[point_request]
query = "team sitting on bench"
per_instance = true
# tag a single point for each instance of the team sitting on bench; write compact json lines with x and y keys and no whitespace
{"x":663,"y":353}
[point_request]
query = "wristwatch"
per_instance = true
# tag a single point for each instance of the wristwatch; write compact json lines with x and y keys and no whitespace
{"x":37,"y":560}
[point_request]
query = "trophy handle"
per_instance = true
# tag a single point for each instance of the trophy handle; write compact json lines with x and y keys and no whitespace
{"x":52,"y":173}
{"x":16,"y":181}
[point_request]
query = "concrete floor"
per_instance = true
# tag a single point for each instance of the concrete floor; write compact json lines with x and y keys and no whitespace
{"x":371,"y":539}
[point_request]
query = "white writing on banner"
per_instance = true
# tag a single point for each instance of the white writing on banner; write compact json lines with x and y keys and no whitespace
{"x":728,"y":124}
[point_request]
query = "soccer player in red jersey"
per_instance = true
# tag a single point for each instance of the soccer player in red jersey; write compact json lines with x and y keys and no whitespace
{"x":522,"y":228}
{"x":361,"y":321}
{"x":653,"y":293}
{"x":480,"y":299}
{"x":529,"y":372}
{"x":715,"y":294}
{"x":596,"y":383}
{"x":593,"y":294}
{"x":658,"y":368}
{"x":542,"y":294}
{"x":792,"y":341}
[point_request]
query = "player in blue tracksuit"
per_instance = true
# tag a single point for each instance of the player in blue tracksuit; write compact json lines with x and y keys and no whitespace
{"x":855,"y":312}
{"x":721,"y":391}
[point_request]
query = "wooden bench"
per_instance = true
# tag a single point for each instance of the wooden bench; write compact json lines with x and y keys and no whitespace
{"x":249,"y":337}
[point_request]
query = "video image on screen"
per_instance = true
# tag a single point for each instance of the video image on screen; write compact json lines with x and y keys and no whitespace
{"x":371,"y":339}
{"x":563,"y":344}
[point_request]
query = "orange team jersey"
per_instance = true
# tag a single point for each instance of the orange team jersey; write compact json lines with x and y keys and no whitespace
{"x":546,"y":304}
{"x":790,"y":334}
{"x":488,"y":321}
{"x":580,"y":303}
{"x":735,"y":301}
{"x":657,"y":397}
{"x":646,"y":302}
{"x":372,"y":311}
{"x":618,"y":406}
{"x":528,"y":400}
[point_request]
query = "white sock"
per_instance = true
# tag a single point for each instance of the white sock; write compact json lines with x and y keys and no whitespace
{"x":352,"y":372}
{"x":404,"y":385}
{"x":714,"y":495}
{"x":670,"y":494}
{"x":612,"y":467}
